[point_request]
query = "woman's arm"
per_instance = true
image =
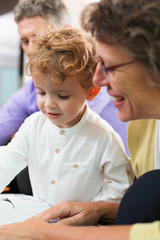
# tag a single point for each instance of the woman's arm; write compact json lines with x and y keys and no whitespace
{"x":40,"y":230}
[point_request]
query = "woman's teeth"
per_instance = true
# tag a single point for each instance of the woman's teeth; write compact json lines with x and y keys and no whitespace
{"x":117,"y":99}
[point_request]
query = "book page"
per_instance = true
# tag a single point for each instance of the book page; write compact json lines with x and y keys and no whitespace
{"x":19,"y":207}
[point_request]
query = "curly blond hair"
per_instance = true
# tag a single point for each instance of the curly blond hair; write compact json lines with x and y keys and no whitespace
{"x":64,"y":52}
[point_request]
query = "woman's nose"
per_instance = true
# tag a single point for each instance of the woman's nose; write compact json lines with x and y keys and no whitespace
{"x":100,"y":78}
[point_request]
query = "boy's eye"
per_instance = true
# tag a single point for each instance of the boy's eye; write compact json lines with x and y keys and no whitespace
{"x":63,"y":97}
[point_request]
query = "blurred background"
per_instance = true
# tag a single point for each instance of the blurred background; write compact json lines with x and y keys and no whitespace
{"x":10,"y":50}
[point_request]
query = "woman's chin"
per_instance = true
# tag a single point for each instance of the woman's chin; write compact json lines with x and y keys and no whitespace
{"x":124,"y":117}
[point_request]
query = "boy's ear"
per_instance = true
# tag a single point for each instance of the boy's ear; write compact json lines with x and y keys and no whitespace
{"x":93,"y":92}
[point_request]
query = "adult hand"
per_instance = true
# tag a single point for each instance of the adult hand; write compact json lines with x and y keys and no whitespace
{"x":27,"y":230}
{"x":80,"y":213}
{"x":35,"y":229}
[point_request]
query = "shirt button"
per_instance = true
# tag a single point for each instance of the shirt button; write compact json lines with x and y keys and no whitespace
{"x":57,"y":150}
{"x":52,"y":182}
{"x":75,"y":165}
{"x":62,"y":132}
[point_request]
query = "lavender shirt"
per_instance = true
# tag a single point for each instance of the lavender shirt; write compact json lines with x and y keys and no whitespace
{"x":23,"y":103}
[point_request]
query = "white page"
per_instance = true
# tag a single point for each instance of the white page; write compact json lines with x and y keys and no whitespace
{"x":24,"y":207}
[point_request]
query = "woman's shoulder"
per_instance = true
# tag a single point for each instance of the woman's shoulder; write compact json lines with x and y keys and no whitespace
{"x":141,"y":144}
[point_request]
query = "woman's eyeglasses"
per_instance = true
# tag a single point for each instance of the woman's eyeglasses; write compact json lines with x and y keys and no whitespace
{"x":112,"y":68}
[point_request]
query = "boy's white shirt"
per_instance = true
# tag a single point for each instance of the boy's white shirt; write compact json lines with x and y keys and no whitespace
{"x":86,"y":162}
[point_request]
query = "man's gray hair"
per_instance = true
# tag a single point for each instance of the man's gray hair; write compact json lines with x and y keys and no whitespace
{"x":52,"y":10}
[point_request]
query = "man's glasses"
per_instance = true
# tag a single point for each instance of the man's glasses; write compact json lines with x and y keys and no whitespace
{"x":112,"y":68}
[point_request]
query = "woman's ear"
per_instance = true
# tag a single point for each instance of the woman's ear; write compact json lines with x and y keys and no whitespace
{"x":93,"y":92}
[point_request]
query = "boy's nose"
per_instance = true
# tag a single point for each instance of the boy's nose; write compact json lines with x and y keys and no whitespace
{"x":50,"y":102}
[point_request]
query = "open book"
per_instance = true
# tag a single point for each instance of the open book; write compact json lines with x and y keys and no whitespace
{"x":19,"y":207}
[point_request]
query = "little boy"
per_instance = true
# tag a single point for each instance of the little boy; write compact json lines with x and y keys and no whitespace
{"x":72,"y":154}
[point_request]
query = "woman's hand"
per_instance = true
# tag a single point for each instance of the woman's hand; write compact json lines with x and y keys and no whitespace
{"x":81,"y":213}
{"x":27,"y":230}
{"x":35,"y":229}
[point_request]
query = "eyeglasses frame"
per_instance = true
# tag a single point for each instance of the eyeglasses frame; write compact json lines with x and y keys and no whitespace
{"x":111,"y":68}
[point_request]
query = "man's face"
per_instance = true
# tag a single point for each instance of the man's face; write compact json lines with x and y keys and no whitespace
{"x":27,"y":28}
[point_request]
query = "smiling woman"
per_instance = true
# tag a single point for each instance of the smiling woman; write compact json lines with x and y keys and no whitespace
{"x":124,"y":35}
{"x":127,"y":84}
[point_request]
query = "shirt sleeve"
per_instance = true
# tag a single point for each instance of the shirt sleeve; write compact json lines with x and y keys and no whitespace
{"x":143,"y":231}
{"x":14,"y":156}
{"x":16,"y":110}
{"x":117,"y":171}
